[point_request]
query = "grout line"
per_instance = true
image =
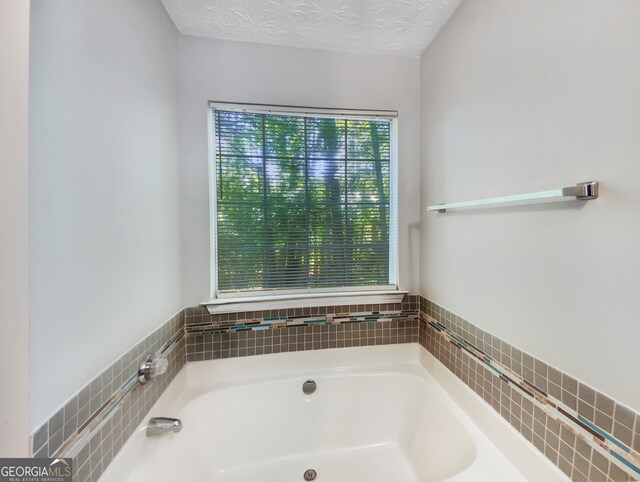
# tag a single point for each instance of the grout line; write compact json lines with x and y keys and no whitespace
{"x":603,"y":442}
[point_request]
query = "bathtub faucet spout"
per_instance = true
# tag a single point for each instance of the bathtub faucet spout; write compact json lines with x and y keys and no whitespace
{"x":158,"y":425}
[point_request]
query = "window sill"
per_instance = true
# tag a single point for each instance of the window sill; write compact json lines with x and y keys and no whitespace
{"x":279,"y":302}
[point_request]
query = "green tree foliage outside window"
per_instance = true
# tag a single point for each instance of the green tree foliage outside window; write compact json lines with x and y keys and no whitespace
{"x":302,"y":201}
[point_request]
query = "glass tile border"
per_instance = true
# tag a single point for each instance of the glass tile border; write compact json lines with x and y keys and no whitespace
{"x":588,"y":435}
{"x":198,"y":319}
{"x":231,"y":344}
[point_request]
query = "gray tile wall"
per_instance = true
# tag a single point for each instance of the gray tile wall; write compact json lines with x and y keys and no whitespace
{"x":103,"y":447}
{"x":231,"y":335}
{"x":300,"y":338}
{"x":56,"y":435}
{"x":198,"y":315}
{"x":577,"y":456}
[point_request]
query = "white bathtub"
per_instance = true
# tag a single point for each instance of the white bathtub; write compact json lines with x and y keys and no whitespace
{"x":379,"y":414}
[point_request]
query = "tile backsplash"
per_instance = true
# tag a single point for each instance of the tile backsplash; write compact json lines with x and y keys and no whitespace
{"x":92,"y":426}
{"x":589,"y":436}
{"x":312,"y":328}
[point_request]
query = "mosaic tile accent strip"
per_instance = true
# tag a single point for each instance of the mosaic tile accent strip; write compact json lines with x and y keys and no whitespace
{"x":229,"y":344}
{"x":96,"y":422}
{"x":276,"y":331}
{"x":198,"y":320}
{"x":586,"y":434}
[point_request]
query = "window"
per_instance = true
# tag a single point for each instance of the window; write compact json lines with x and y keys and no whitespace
{"x":302,"y":202}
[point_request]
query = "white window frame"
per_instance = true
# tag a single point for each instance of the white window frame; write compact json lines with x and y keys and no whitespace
{"x":293,"y":298}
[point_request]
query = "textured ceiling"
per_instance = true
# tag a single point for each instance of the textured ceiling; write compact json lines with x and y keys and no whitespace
{"x":400,"y":27}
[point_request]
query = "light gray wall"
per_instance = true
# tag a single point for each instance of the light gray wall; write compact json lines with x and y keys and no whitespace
{"x":243,"y":72}
{"x":521,"y":96}
{"x":105,"y":254}
{"x":14,"y":228}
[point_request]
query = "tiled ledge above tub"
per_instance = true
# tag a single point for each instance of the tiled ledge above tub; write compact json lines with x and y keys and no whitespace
{"x":296,"y":329}
{"x":589,"y":436}
{"x":92,"y":426}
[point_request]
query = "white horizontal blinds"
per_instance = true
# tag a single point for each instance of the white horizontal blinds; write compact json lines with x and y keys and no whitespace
{"x":302,"y":201}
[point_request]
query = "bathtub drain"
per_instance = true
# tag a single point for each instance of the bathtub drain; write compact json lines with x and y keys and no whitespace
{"x":310,"y":474}
{"x":308,"y":388}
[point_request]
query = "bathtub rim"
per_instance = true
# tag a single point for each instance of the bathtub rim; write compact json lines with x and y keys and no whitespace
{"x":410,"y":358}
